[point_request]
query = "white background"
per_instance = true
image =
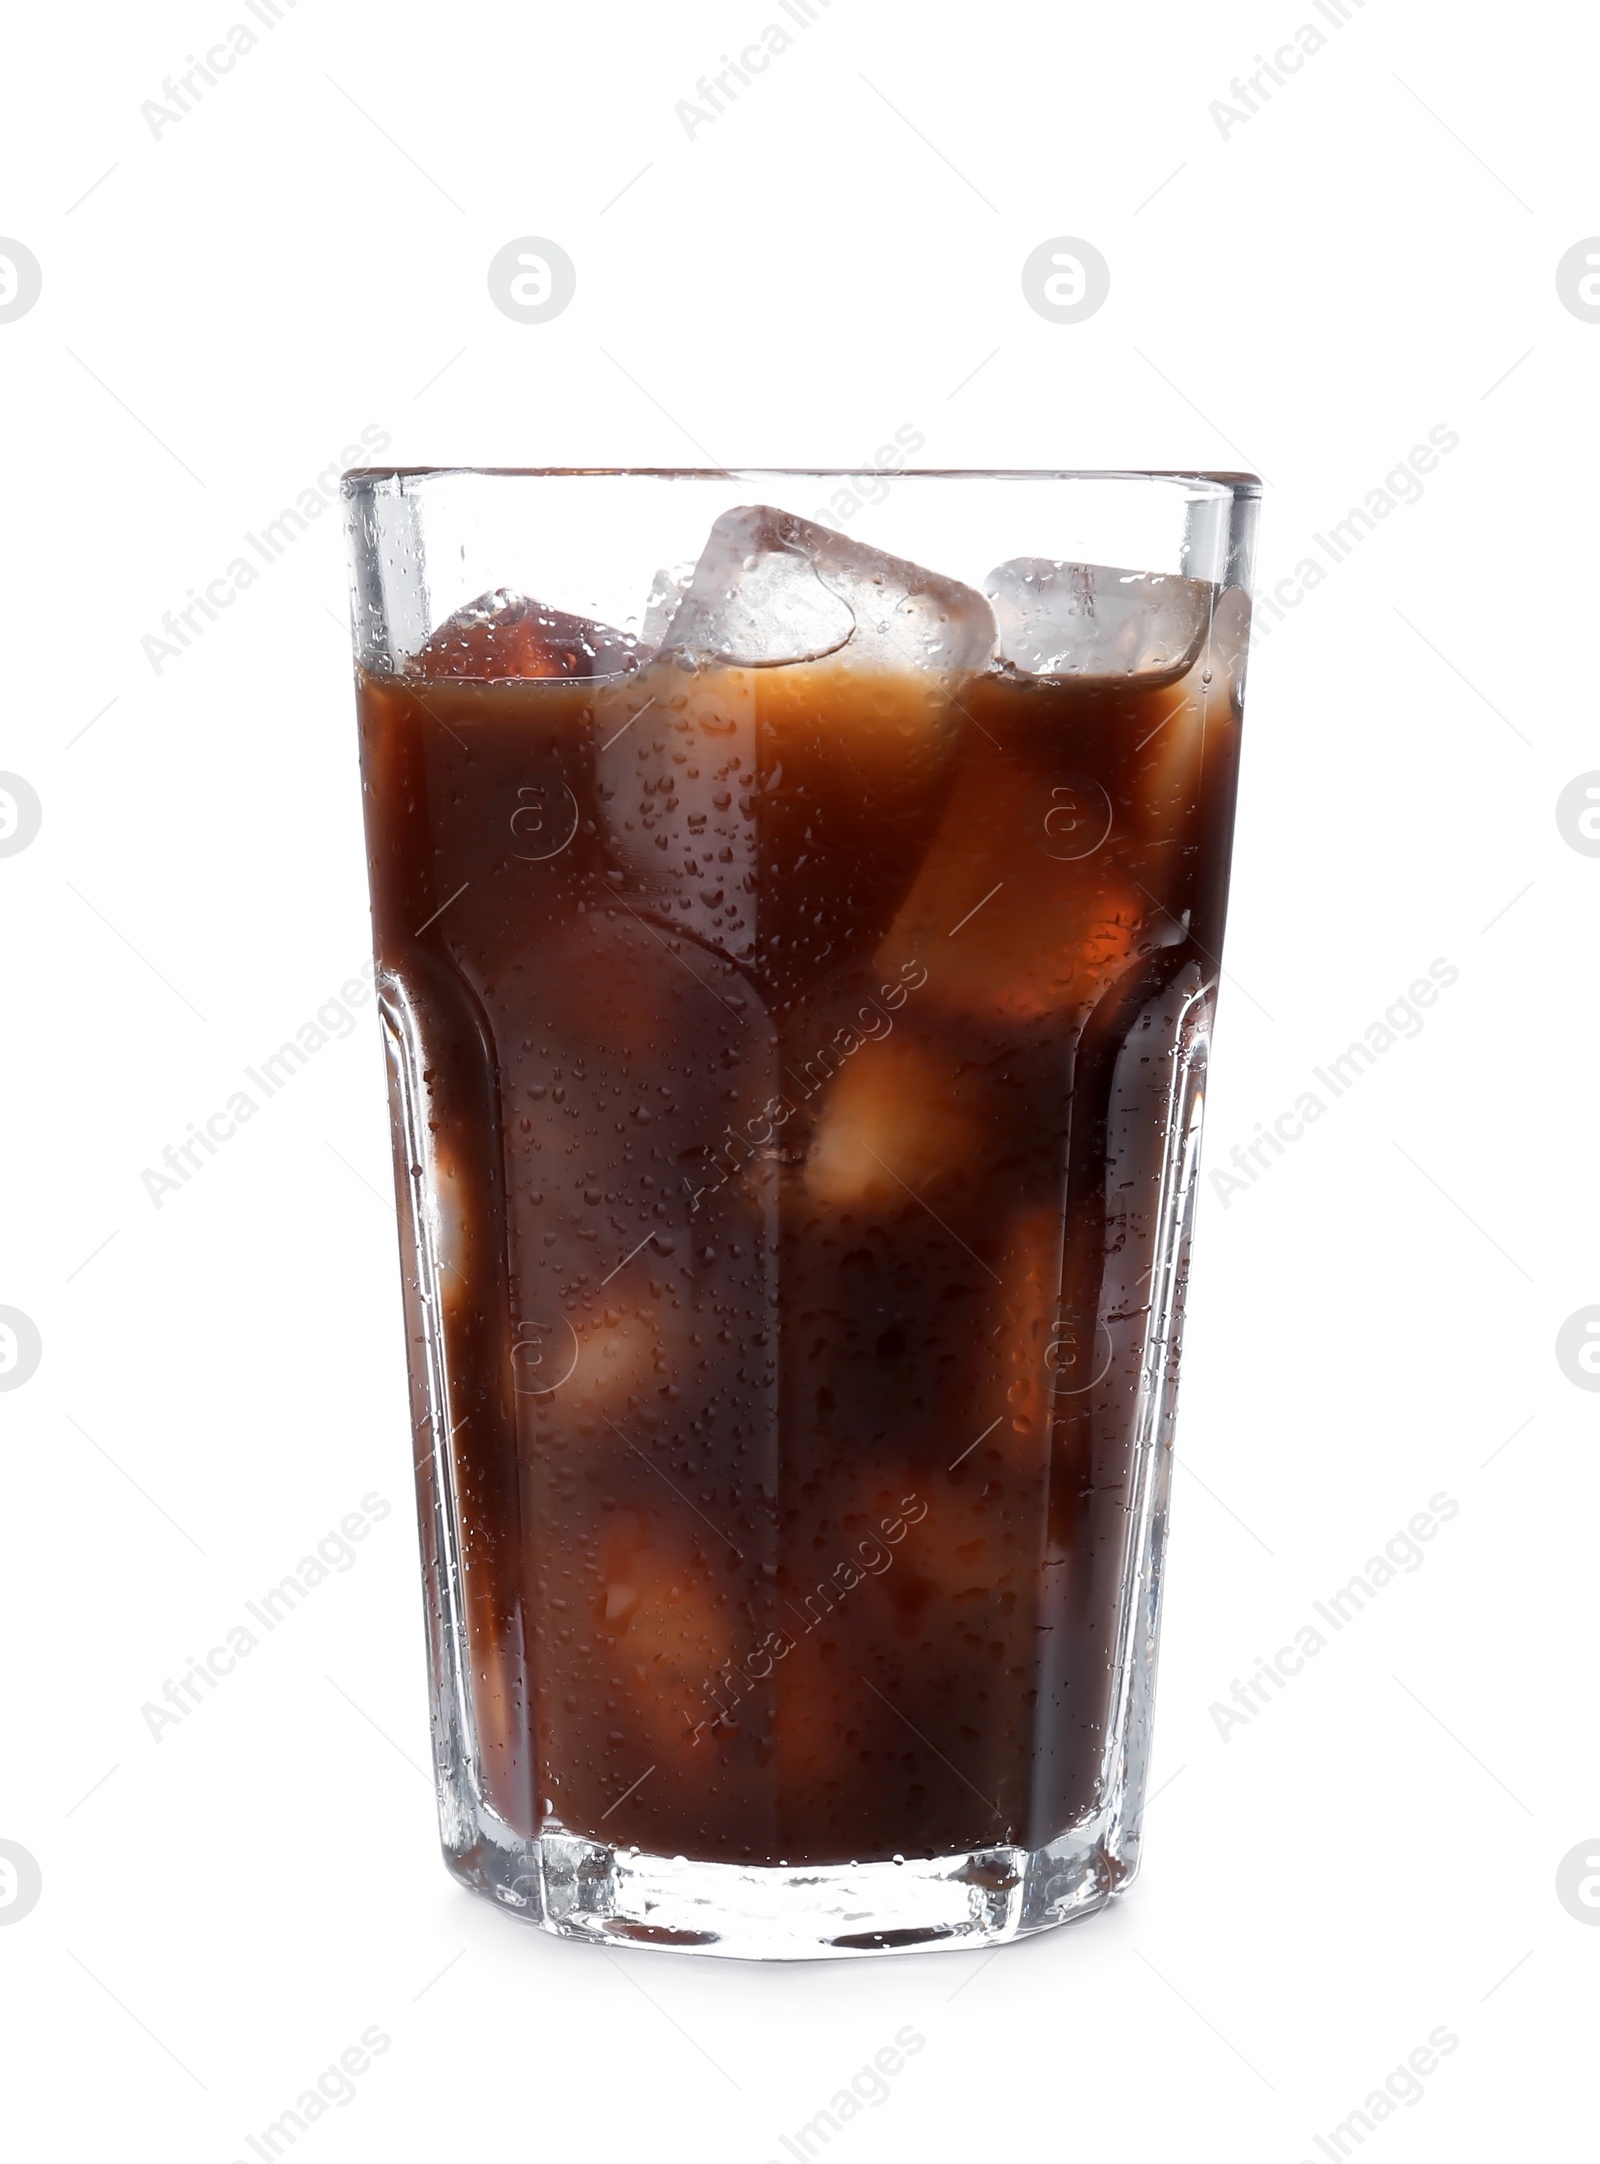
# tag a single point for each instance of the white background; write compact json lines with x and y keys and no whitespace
{"x":1371,"y":254}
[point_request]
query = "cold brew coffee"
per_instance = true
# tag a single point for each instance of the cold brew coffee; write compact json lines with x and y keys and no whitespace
{"x":797,"y":1006}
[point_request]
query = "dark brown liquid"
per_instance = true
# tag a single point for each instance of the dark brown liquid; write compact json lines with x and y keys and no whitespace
{"x":796,"y":1051}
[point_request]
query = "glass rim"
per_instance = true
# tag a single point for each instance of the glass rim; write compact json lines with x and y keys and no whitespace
{"x":1240,"y":486}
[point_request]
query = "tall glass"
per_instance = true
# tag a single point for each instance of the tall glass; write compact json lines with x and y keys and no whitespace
{"x":797,"y":900}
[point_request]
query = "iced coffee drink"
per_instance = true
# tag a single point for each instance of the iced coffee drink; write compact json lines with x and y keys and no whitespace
{"x":797,"y":989}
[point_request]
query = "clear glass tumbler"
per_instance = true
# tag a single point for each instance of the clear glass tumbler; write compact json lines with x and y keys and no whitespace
{"x":797,"y":901}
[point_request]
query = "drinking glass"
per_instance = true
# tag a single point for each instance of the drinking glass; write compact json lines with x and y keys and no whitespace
{"x":797,"y":903}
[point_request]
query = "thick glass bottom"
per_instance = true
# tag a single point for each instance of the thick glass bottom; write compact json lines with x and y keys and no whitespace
{"x":582,"y":1889}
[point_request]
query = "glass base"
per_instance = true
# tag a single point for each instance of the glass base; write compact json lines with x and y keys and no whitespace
{"x":582,"y":1889}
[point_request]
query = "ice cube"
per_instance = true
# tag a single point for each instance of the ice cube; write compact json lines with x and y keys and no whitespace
{"x":1174,"y":725}
{"x":949,"y":1543}
{"x":793,"y":735}
{"x":997,"y":927}
{"x":450,"y":1198}
{"x":1094,"y":624}
{"x":1021,"y":1352}
{"x":633,"y":1067}
{"x":822,"y":1711}
{"x":506,"y":634}
{"x":759,"y":611}
{"x":676,"y":774}
{"x":771,"y":587}
{"x":1226,"y":646}
{"x":899,"y":1116}
{"x":665,"y":1624}
{"x":667,"y":589}
{"x":619,"y":1359}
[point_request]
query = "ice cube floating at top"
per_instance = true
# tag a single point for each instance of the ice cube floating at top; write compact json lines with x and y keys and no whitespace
{"x":772,"y":588}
